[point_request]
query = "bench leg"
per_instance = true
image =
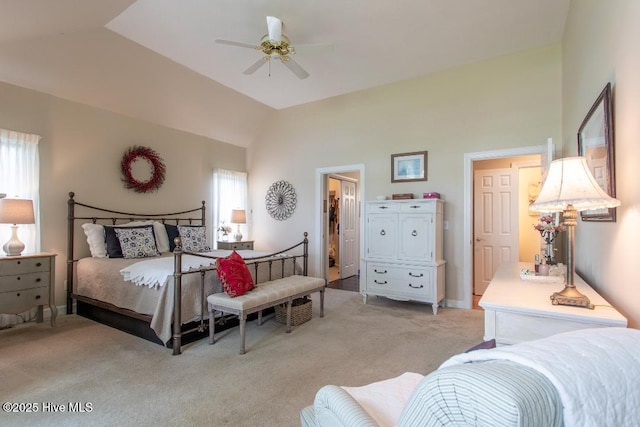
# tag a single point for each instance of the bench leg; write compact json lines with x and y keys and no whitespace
{"x":260,"y":318}
{"x":243,"y":324}
{"x":212,"y":325}
{"x":289,"y":315}
{"x":322,"y":302}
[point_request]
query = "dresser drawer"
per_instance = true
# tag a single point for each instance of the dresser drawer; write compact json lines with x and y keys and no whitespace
{"x":407,"y":281}
{"x":10,"y":266}
{"x":382,"y":207}
{"x":15,"y":302}
{"x":237,"y":246}
{"x":23,"y":281}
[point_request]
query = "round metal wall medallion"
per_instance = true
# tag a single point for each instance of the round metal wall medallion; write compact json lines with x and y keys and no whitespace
{"x":280,"y":200}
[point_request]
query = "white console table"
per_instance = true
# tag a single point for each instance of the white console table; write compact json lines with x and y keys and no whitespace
{"x":517,"y":310}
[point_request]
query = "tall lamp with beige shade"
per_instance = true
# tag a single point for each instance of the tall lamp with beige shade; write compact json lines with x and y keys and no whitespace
{"x":238,"y":216}
{"x":15,"y":211}
{"x":569,"y":188}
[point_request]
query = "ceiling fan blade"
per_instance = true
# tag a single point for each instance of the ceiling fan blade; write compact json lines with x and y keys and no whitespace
{"x":274,"y":25}
{"x":313,"y":48}
{"x":259,"y":63}
{"x":296,"y":68}
{"x":232,"y":43}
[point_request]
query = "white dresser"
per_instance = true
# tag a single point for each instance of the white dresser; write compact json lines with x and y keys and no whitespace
{"x":403,"y":251}
{"x":517,"y":310}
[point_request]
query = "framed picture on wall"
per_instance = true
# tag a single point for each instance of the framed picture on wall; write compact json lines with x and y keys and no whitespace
{"x":595,"y":143}
{"x":407,"y":167}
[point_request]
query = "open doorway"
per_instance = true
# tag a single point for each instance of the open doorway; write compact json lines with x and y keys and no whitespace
{"x":544,"y":152}
{"x":342,"y":228}
{"x":503,"y":189}
{"x":339,"y":192}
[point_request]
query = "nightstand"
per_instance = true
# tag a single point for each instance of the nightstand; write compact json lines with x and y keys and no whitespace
{"x":236,"y":245}
{"x":27,"y":281}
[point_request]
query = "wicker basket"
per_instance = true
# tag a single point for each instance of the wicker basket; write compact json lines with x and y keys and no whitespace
{"x":300,"y":311}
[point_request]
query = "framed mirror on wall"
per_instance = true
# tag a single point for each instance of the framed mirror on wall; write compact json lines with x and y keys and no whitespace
{"x":595,"y":143}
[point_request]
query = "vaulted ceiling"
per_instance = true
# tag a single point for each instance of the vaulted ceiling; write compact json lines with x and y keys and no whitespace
{"x":156,"y":60}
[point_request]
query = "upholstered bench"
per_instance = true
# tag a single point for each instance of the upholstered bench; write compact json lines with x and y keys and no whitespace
{"x":264,"y":295}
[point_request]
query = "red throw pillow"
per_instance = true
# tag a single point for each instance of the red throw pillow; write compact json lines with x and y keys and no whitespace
{"x":234,"y":275}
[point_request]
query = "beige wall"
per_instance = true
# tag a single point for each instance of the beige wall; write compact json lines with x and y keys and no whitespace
{"x":512,"y":101}
{"x":601,"y":45}
{"x":81,"y":149}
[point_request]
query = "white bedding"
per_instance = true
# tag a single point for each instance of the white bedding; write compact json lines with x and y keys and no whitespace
{"x":154,"y":272}
{"x":596,"y":372}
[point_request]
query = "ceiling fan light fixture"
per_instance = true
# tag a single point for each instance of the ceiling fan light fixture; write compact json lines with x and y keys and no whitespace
{"x":271,"y":47}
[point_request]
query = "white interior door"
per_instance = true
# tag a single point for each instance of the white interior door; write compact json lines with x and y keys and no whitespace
{"x":348,"y":230}
{"x":495,"y":223}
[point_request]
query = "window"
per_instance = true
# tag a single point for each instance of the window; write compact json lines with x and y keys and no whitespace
{"x":20,"y":178}
{"x":229,"y":192}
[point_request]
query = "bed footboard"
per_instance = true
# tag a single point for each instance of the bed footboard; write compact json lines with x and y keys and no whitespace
{"x":275,"y":262}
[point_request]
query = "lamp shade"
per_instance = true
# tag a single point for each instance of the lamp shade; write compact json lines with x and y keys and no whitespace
{"x":16,"y":211}
{"x":569,"y":182}
{"x":238,"y":216}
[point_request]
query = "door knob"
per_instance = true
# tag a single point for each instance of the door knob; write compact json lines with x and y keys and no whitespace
{"x":478,"y":239}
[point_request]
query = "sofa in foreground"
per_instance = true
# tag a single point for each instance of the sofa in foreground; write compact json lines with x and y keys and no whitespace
{"x":582,"y":378}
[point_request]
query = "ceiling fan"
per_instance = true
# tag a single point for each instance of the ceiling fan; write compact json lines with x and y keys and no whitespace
{"x":276,"y":45}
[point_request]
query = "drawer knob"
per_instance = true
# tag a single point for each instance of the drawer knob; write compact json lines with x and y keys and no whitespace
{"x":415,"y":287}
{"x":382,"y":232}
{"x":380,"y":283}
{"x":18,"y":278}
{"x":416,"y":275}
{"x":39,"y":279}
{"x":39,"y":264}
{"x":380,"y":271}
{"x":18,"y":294}
{"x":414,"y":233}
{"x":37,"y":296}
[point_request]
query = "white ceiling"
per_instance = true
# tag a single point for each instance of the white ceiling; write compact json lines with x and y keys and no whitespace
{"x":157,"y":60}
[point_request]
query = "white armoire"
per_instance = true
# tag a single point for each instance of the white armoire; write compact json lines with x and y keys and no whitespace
{"x":403,"y":251}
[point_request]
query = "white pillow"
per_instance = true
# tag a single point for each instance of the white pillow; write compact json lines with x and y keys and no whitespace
{"x":162,"y":238}
{"x":95,"y":239}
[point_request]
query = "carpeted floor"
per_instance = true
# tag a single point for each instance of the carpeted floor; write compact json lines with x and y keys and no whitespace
{"x":129,"y":381}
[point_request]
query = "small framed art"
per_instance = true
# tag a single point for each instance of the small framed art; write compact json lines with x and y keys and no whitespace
{"x":407,"y":167}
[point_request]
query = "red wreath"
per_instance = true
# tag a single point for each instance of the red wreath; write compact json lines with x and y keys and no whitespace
{"x":157,"y":176}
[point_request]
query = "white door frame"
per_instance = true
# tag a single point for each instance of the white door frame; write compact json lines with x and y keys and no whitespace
{"x":316,"y":239}
{"x":469,"y":158}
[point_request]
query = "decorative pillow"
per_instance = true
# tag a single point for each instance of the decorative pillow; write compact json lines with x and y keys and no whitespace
{"x":114,"y":250}
{"x":485,"y":345}
{"x":137,"y":242}
{"x":194,"y":238}
{"x":234,"y":275}
{"x":162,"y":237}
{"x":95,"y":239}
{"x":172,"y":233}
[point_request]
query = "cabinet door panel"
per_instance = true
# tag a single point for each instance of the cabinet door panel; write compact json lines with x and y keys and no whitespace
{"x":382,"y":236}
{"x":416,"y":242}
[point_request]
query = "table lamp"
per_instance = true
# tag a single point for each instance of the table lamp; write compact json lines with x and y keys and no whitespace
{"x":238,"y":216}
{"x":15,"y":211}
{"x":569,"y":188}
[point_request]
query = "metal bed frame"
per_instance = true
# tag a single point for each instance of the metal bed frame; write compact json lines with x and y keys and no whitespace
{"x":139,"y":324}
